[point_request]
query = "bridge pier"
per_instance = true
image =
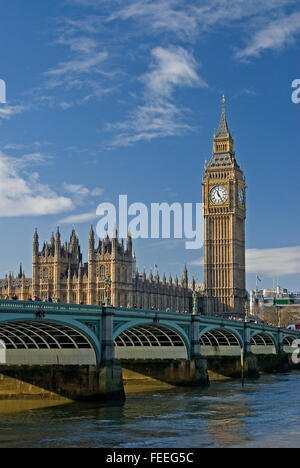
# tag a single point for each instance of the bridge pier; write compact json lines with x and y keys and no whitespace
{"x":82,"y":383}
{"x":229,"y":367}
{"x":179,"y":372}
{"x":107,"y":348}
{"x":273,"y":363}
{"x":199,"y":360}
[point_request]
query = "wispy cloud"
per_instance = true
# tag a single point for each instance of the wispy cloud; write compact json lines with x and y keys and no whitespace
{"x":29,"y":159}
{"x":7,"y":112}
{"x":268,"y":24}
{"x":86,"y":69}
{"x":79,"y":218}
{"x":274,"y":262}
{"x":275,"y":35}
{"x":158,"y":15}
{"x":269,"y":262}
{"x":80,"y":192}
{"x":158,"y":115}
{"x":149,"y":121}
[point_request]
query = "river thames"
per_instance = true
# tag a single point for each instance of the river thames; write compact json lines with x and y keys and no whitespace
{"x":265,"y":413}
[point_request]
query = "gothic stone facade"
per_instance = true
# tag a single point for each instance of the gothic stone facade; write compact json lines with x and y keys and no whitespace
{"x":58,"y":272}
{"x":224,"y":197}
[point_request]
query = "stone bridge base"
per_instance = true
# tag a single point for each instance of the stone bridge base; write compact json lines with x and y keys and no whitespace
{"x":229,"y":367}
{"x":61,"y":382}
{"x":172,"y":372}
{"x":273,"y":363}
{"x":222,"y":367}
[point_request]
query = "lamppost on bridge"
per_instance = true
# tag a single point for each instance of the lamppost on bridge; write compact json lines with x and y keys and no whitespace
{"x":278,"y":310}
{"x":246,"y":310}
{"x":195,"y":303}
{"x":108,"y":291}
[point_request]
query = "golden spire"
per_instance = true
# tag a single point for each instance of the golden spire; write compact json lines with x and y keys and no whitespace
{"x":223,"y":141}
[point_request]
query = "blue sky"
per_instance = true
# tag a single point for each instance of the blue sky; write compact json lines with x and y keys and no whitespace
{"x":109,"y":97}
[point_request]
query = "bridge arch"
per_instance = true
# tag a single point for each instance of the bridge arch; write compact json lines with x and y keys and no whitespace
{"x":2,"y":352}
{"x":217,"y":341}
{"x":48,"y":342}
{"x":146,"y":339}
{"x":263,"y":342}
{"x":288,"y":342}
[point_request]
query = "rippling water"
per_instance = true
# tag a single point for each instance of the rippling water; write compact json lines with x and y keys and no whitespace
{"x":264,"y":414}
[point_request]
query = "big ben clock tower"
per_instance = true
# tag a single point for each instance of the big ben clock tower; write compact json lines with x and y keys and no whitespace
{"x":224,"y":201}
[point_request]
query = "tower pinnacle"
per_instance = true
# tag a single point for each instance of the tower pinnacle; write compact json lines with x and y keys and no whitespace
{"x":223,"y":141}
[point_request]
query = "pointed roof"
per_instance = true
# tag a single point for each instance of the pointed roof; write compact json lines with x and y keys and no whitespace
{"x":223,"y":131}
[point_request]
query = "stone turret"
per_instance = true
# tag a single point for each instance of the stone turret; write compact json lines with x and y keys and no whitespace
{"x":92,"y":269}
{"x":23,"y":287}
{"x":35,"y":266}
{"x":57,"y":264}
{"x":185,"y":280}
{"x":129,"y":244}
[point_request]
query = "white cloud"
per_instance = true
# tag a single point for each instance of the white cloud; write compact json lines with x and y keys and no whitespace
{"x":158,"y":115}
{"x":27,"y":197}
{"x":152,"y":120}
{"x":30,"y":159}
{"x":158,"y":15}
{"x":172,"y":67}
{"x":79,"y":218}
{"x":269,"y":24}
{"x":69,"y":72}
{"x":197,"y":262}
{"x":82,"y":191}
{"x":78,"y":190}
{"x":275,"y":35}
{"x":274,"y":262}
{"x":269,"y":262}
{"x":6,"y":112}
{"x":84,"y":72}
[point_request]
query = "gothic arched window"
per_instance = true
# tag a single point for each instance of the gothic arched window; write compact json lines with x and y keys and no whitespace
{"x":102,"y":272}
{"x":46,"y":273}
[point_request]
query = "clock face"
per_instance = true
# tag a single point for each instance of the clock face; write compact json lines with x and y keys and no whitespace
{"x":241,"y":196}
{"x":218,"y":195}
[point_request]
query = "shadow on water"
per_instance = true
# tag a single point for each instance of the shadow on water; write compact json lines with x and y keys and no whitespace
{"x":263,"y":413}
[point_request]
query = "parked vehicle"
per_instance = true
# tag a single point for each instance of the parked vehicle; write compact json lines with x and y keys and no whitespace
{"x":294,"y":327}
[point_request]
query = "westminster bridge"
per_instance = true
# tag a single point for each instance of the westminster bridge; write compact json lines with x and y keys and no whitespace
{"x":79,"y":351}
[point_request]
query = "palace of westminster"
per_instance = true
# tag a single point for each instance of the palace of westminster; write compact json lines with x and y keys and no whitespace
{"x":58,"y":271}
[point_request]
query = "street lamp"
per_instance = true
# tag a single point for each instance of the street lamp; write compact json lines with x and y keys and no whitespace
{"x":246,"y":310}
{"x":195,"y":303}
{"x":108,"y":292}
